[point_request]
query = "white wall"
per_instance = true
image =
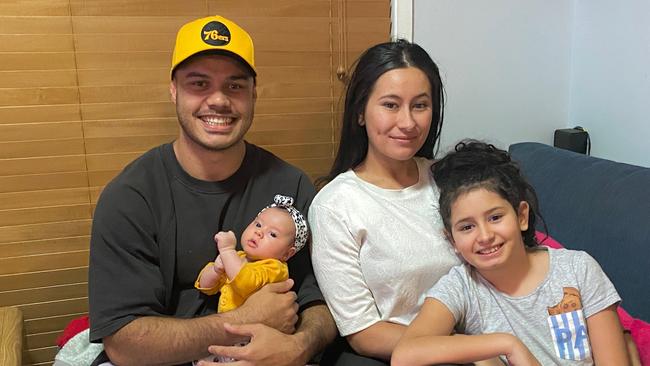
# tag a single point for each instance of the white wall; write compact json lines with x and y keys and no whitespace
{"x":610,"y":91}
{"x":505,"y":64}
{"x":517,"y":70}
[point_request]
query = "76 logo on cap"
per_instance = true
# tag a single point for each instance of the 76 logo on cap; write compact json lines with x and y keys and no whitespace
{"x":215,"y":34}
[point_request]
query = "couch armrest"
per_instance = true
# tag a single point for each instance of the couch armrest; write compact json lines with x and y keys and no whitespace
{"x":11,"y":336}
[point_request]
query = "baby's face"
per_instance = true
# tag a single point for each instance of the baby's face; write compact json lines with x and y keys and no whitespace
{"x":271,"y":235}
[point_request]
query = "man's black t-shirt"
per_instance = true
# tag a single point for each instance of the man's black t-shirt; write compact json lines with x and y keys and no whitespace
{"x":153,"y":232}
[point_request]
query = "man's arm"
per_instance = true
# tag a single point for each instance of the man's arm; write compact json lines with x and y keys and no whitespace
{"x":153,"y":340}
{"x":168,"y":341}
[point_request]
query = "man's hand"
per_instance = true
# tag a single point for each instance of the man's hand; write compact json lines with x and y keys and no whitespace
{"x":267,"y":347}
{"x":273,"y":305}
{"x":225,"y":241}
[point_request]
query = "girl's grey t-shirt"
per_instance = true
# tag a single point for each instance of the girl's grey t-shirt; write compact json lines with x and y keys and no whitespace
{"x":550,"y":321}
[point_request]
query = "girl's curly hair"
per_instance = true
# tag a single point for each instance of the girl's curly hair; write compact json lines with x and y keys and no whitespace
{"x":475,"y":164}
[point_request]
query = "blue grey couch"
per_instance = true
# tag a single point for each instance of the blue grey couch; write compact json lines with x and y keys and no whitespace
{"x":599,"y":206}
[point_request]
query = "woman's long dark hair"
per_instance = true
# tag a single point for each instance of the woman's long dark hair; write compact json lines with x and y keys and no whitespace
{"x":373,"y":63}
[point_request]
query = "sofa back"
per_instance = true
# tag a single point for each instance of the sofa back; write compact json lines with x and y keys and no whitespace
{"x":599,"y":206}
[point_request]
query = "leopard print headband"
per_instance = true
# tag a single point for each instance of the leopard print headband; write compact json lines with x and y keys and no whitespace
{"x":302,"y":231}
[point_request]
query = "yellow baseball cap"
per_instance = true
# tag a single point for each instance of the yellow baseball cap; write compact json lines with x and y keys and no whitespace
{"x":213,"y":33}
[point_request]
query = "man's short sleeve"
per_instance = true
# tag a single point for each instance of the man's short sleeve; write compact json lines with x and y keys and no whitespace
{"x":124,"y":279}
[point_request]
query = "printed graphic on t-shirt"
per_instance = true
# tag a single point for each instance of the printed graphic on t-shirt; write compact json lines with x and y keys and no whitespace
{"x":569,"y":328}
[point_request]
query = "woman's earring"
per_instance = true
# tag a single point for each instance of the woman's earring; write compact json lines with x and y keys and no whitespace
{"x":362,"y":122}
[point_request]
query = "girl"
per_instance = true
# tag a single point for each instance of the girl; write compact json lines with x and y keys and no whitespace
{"x":529,"y":305}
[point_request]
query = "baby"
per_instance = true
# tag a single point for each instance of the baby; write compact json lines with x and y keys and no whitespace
{"x":277,"y":233}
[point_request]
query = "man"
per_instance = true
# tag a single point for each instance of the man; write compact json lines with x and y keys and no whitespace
{"x":154,"y":223}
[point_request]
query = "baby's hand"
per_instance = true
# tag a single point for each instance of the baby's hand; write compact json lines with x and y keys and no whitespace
{"x":225,"y":241}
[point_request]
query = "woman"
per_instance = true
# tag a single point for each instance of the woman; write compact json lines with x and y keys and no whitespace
{"x":378,"y":241}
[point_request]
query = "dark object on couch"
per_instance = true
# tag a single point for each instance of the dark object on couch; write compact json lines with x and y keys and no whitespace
{"x":599,"y":206}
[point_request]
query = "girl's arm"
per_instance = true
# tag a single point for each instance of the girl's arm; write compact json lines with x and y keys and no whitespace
{"x":427,"y":341}
{"x":606,"y":338}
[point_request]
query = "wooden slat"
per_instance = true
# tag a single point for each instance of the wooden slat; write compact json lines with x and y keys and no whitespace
{"x":39,"y":279}
{"x":115,"y":161}
{"x":292,"y":105}
{"x":128,"y":24}
{"x":35,"y":25}
{"x":365,"y":9}
{"x":33,"y":182}
{"x":38,"y":95}
{"x":313,"y":167}
{"x":124,"y":42}
{"x":9,"y":234}
{"x":50,"y":324}
{"x":37,"y":114}
{"x":124,"y":144}
{"x":97,"y":111}
{"x":51,"y":293}
{"x":36,"y":43}
{"x":294,"y":90}
{"x":263,"y":8}
{"x":268,"y":58}
{"x":39,"y":355}
{"x":42,"y":165}
{"x":29,"y":149}
{"x":131,"y":76}
{"x":41,"y":340}
{"x":100,"y":178}
{"x":123,"y":60}
{"x":43,"y":198}
{"x":289,"y":136}
{"x":54,"y":308}
{"x":288,"y":34}
{"x":147,"y":8}
{"x":304,"y":151}
{"x":37,"y":215}
{"x":37,"y":78}
{"x":36,"y":61}
{"x":130,"y":127}
{"x":298,"y":121}
{"x":39,"y":131}
{"x":34,"y":7}
{"x":124,"y":93}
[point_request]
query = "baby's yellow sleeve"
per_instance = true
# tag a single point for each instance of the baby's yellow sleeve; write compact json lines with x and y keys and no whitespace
{"x":210,"y":290}
{"x":254,"y":275}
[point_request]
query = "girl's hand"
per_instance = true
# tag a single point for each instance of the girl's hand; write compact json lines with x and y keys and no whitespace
{"x":520,"y":355}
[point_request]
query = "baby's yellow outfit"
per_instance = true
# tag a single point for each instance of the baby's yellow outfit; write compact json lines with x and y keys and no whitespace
{"x":251,"y":277}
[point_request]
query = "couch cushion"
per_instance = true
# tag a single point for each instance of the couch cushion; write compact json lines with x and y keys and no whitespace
{"x":599,"y":206}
